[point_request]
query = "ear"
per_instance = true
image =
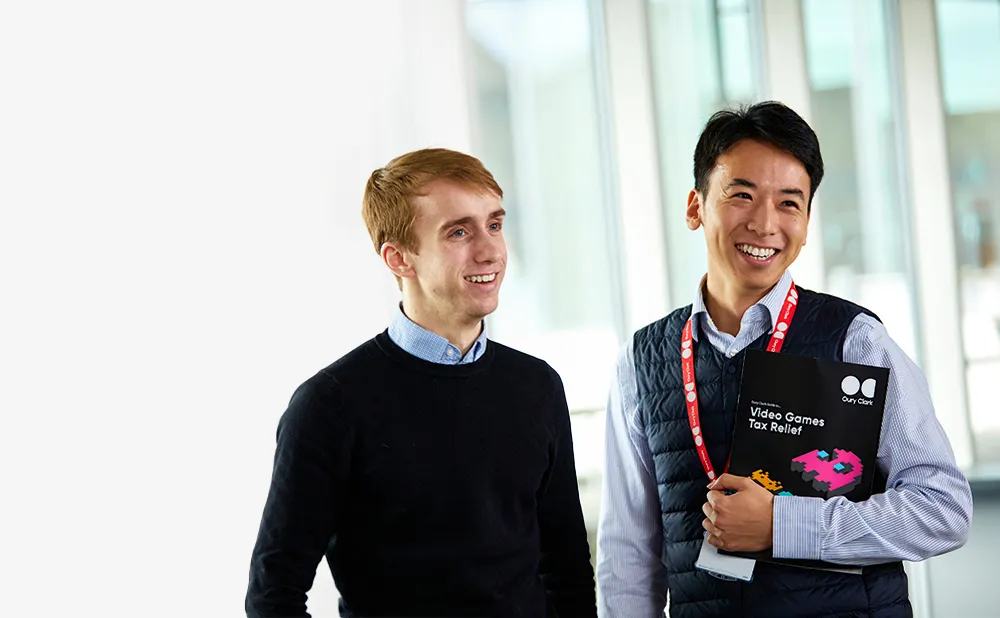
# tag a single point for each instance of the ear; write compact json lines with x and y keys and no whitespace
{"x":693,"y":213}
{"x":397,"y":260}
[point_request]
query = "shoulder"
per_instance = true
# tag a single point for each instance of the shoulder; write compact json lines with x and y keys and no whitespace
{"x":313,"y":407}
{"x":673,"y":321}
{"x":322,"y":394}
{"x":827,"y":306}
{"x":356,"y":363}
{"x":524,"y":365}
{"x":868,"y":342}
{"x":656,"y":340}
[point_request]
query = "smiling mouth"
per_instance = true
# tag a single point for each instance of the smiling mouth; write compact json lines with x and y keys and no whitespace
{"x":758,"y":253}
{"x":481,"y":278}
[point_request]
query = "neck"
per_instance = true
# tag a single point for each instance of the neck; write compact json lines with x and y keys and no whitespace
{"x":726,"y":303}
{"x":461,"y":335}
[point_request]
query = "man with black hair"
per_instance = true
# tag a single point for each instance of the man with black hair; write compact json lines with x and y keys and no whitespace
{"x":756,"y":171}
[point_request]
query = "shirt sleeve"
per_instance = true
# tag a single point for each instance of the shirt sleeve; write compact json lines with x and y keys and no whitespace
{"x":926,"y":509}
{"x":631,"y":577}
{"x":301,"y":513}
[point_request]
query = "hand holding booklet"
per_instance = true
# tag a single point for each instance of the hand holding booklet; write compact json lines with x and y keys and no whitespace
{"x":808,"y":427}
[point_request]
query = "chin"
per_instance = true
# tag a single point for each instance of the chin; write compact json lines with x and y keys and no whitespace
{"x":485,"y":310}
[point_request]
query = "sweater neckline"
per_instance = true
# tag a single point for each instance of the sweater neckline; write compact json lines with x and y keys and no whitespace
{"x":388,"y":347}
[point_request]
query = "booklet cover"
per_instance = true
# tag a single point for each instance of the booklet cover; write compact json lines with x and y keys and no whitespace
{"x":808,"y":427}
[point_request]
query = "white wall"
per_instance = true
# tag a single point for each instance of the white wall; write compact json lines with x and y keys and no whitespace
{"x":181,"y":246}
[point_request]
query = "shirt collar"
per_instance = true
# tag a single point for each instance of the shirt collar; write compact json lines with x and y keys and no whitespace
{"x":772,"y":302}
{"x":422,"y":343}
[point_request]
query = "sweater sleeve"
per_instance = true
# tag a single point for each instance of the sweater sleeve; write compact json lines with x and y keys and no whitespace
{"x":565,"y":566}
{"x":300,"y":515}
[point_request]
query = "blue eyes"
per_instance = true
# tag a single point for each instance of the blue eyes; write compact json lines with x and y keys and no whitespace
{"x":461,"y":233}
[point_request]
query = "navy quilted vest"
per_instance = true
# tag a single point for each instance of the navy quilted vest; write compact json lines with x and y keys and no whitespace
{"x":820,"y":325}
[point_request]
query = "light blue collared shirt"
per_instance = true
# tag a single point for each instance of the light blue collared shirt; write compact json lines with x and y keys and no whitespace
{"x":427,"y":346}
{"x":926,"y":509}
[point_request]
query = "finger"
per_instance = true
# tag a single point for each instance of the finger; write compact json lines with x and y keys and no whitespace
{"x":708,"y":511}
{"x":715,"y":541}
{"x":714,"y":495}
{"x":730,"y":481}
{"x":710,"y":527}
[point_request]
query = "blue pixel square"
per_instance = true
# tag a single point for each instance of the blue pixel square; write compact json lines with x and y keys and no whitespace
{"x":839,"y":467}
{"x":823,"y":455}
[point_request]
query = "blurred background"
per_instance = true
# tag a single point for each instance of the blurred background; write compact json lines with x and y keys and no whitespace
{"x":182,"y":245}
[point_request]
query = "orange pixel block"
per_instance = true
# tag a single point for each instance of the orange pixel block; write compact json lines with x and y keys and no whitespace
{"x":764,"y":478}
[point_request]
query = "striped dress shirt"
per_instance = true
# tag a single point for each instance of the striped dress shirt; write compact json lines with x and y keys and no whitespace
{"x":926,"y":509}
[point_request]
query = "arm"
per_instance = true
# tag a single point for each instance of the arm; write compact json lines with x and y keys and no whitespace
{"x":300,"y":516}
{"x":565,"y":565}
{"x":631,"y":578}
{"x":926,"y":509}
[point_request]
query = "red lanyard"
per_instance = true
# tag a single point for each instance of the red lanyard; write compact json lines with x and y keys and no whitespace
{"x":687,"y":371}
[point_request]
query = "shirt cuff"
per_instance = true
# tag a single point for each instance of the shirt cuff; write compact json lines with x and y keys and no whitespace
{"x":798,"y":527}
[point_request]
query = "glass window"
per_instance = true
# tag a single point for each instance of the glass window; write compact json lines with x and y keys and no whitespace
{"x":694,"y":76}
{"x":539,"y":129}
{"x":969,"y":47}
{"x":540,"y":126}
{"x":864,"y":231}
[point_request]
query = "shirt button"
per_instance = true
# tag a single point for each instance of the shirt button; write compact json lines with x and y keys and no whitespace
{"x":451,"y":352}
{"x":731,"y":353}
{"x":731,"y":369}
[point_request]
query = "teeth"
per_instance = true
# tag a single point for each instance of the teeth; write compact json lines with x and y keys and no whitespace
{"x":481,"y":278}
{"x":757,"y":252}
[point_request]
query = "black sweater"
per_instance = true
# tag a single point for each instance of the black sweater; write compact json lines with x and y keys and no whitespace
{"x":433,"y":490}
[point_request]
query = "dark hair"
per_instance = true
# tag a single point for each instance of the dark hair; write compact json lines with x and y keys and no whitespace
{"x":770,"y":122}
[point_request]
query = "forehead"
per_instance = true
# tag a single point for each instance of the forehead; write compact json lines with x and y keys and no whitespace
{"x":761,"y":164}
{"x":444,"y":200}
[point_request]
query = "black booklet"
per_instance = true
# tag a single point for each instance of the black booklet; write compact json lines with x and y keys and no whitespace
{"x":808,"y":427}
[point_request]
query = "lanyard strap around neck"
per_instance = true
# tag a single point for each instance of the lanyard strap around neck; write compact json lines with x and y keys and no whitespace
{"x":687,"y":371}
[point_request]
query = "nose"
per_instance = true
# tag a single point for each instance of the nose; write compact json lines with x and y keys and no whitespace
{"x":490,"y":248}
{"x":764,"y":220}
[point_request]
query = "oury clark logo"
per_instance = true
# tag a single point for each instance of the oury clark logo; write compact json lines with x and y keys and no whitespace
{"x":851,"y":385}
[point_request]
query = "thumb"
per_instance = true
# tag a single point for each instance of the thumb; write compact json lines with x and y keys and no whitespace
{"x":730,"y":481}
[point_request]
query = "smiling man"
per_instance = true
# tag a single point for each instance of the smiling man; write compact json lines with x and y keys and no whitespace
{"x":431,"y":466}
{"x":756,"y":171}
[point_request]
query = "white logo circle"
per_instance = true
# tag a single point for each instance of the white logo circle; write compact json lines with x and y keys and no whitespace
{"x":782,"y":326}
{"x":779,"y":335}
{"x":711,"y":475}
{"x":793,"y":293}
{"x":686,"y":353}
{"x":696,"y":430}
{"x":698,"y":440}
{"x":689,"y":386}
{"x":685,"y":344}
{"x":850,"y":385}
{"x":690,"y":397}
{"x":868,"y":388}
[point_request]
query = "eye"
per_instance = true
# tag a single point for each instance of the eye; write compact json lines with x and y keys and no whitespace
{"x":743,"y":195}
{"x":495,"y":227}
{"x":459,"y":233}
{"x":791,"y":204}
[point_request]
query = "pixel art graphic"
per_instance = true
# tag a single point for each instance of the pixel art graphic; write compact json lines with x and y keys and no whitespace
{"x":834,"y":474}
{"x":764,"y":480}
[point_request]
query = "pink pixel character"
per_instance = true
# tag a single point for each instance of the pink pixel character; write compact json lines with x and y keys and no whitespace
{"x":834,"y":473}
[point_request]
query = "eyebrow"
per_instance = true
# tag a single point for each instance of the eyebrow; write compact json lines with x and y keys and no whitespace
{"x":740,"y":182}
{"x":743,"y":182}
{"x":496,"y":214}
